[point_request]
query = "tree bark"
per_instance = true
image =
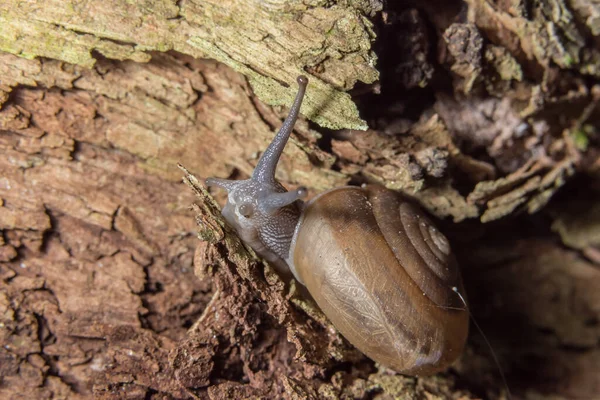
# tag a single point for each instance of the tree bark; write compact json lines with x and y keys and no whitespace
{"x":485,"y":112}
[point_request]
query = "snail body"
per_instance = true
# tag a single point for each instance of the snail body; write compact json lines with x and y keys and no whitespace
{"x":372,"y":260}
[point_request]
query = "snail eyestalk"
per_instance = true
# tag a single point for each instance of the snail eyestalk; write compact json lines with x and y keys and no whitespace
{"x":275,"y":201}
{"x":226,"y":184}
{"x":265,"y":169}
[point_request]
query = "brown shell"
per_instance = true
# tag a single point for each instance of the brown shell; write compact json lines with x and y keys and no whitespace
{"x":383,"y":274}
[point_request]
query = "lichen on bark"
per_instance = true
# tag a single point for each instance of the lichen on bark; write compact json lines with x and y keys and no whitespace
{"x":270,"y":42}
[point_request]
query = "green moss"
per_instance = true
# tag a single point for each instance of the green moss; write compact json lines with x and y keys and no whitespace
{"x":568,"y":60}
{"x":580,"y":138}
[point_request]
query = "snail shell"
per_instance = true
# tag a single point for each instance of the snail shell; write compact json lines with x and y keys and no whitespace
{"x":383,"y":274}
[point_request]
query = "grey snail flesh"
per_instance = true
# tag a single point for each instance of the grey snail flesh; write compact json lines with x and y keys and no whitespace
{"x":367,"y":292}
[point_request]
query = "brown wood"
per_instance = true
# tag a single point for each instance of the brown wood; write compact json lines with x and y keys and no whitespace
{"x":487,"y":114}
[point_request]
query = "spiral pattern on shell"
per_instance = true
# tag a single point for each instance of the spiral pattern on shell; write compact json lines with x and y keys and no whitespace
{"x":422,"y":250}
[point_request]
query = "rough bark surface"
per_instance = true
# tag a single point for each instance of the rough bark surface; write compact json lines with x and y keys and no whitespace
{"x":485,"y":111}
{"x":271,"y":42}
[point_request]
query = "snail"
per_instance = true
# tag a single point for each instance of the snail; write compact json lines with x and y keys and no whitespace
{"x":373,"y":262}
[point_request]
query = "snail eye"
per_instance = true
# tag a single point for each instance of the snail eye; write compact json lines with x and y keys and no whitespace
{"x":247,"y":210}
